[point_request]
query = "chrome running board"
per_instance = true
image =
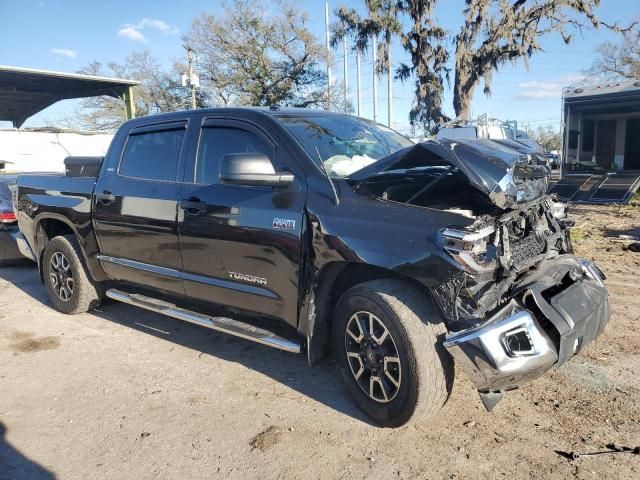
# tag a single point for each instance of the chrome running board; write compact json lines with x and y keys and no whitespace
{"x":221,"y":324}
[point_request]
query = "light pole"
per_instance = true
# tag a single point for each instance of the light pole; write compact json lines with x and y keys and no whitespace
{"x":346,"y":76}
{"x":191,"y":79}
{"x":358,"y":81}
{"x":328,"y":38}
{"x":374,"y":52}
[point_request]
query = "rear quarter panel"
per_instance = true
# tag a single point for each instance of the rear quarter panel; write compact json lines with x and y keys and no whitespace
{"x":61,"y":198}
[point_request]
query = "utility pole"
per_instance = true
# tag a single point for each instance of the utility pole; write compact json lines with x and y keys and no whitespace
{"x":358,"y":81}
{"x":191,"y":82}
{"x":191,"y":79}
{"x":326,"y":24}
{"x":375,"y":84}
{"x":346,"y":77}
{"x":389,"y":88}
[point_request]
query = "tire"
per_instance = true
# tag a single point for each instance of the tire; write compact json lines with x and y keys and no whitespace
{"x":419,"y":383}
{"x":62,"y":256}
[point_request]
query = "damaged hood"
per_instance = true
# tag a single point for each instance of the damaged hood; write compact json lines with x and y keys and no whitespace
{"x":506,"y":176}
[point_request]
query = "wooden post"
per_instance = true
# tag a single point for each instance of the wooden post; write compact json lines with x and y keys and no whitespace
{"x":129,"y":104}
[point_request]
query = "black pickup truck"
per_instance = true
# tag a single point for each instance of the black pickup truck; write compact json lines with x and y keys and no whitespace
{"x":310,"y":231}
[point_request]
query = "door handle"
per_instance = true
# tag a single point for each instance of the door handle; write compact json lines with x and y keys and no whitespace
{"x":105,"y":197}
{"x":193,"y":206}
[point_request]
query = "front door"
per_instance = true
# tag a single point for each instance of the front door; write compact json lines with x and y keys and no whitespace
{"x":606,"y":143}
{"x":632,"y":147}
{"x":241,"y":245}
{"x":135,"y":211}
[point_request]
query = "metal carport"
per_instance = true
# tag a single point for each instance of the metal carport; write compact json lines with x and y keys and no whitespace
{"x":25,"y":91}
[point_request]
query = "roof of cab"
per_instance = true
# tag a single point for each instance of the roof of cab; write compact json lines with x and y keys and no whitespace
{"x":258,"y":111}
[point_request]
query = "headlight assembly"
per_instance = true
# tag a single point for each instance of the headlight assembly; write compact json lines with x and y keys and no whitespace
{"x":474,"y":250}
{"x":519,"y":185}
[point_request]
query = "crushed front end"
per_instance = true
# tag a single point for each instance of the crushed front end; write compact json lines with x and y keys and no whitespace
{"x":521,"y":303}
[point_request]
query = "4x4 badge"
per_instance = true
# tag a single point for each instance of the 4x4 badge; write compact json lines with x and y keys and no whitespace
{"x":284,"y":224}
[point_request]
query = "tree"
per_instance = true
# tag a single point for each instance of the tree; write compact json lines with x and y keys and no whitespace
{"x":159,"y":91}
{"x":423,"y":41}
{"x":547,"y":136}
{"x":382,"y":21}
{"x":620,"y":61}
{"x":500,"y":31}
{"x":246,"y":56}
{"x":494,"y":32}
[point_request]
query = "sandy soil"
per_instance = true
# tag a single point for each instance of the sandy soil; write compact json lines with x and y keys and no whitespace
{"x":123,"y":393}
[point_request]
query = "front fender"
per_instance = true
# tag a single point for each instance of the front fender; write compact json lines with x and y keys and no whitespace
{"x":383,"y":234}
{"x":378,"y":239}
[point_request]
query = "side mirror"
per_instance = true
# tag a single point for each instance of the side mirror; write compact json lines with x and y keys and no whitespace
{"x":252,"y":169}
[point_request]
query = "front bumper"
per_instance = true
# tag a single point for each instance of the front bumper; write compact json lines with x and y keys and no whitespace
{"x":558,"y":308}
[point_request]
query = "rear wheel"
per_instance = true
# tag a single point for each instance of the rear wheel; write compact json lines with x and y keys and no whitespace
{"x":65,"y":277}
{"x":387,"y":339}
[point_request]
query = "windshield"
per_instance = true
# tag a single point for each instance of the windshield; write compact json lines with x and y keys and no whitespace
{"x":344,"y":144}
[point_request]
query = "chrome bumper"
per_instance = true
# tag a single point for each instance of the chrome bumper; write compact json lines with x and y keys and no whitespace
{"x":23,"y":246}
{"x":513,"y":347}
{"x":484,"y":353}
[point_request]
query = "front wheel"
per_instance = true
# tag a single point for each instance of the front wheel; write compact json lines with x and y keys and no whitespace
{"x":387,"y":339}
{"x":65,"y":277}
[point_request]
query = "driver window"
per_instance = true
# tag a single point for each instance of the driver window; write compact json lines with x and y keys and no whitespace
{"x":216,"y":142}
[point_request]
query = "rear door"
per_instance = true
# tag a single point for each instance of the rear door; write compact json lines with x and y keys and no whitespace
{"x":241,"y":247}
{"x":606,"y":143}
{"x":135,"y":208}
{"x":632,"y":147}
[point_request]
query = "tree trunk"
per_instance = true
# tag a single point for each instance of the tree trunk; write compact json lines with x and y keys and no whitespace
{"x":462,"y":96}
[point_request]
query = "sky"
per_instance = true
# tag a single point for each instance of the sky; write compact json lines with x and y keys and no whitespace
{"x":66,"y":35}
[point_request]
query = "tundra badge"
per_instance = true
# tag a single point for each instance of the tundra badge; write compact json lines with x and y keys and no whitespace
{"x":284,"y":224}
{"x":247,"y":278}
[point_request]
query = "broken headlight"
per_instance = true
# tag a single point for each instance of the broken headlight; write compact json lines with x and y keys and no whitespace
{"x":558,"y":210}
{"x":520,"y":185}
{"x":474,"y":250}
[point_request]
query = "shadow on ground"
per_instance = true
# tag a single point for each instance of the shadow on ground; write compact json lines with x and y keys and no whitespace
{"x":14,"y":465}
{"x":321,"y":383}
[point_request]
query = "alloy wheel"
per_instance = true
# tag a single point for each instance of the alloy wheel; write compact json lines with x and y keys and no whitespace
{"x":373,"y":356}
{"x":61,"y":276}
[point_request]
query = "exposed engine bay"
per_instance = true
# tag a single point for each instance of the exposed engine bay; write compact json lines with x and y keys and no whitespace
{"x":436,"y":187}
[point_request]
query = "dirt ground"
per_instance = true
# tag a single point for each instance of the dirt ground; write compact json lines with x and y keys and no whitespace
{"x":124,"y":393}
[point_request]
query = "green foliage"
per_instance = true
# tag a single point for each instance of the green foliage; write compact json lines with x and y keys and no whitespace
{"x":421,"y":39}
{"x":246,"y":56}
{"x":494,"y":32}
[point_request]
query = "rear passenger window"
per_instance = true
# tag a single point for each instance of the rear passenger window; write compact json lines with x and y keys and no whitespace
{"x":216,"y":142}
{"x":152,"y":155}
